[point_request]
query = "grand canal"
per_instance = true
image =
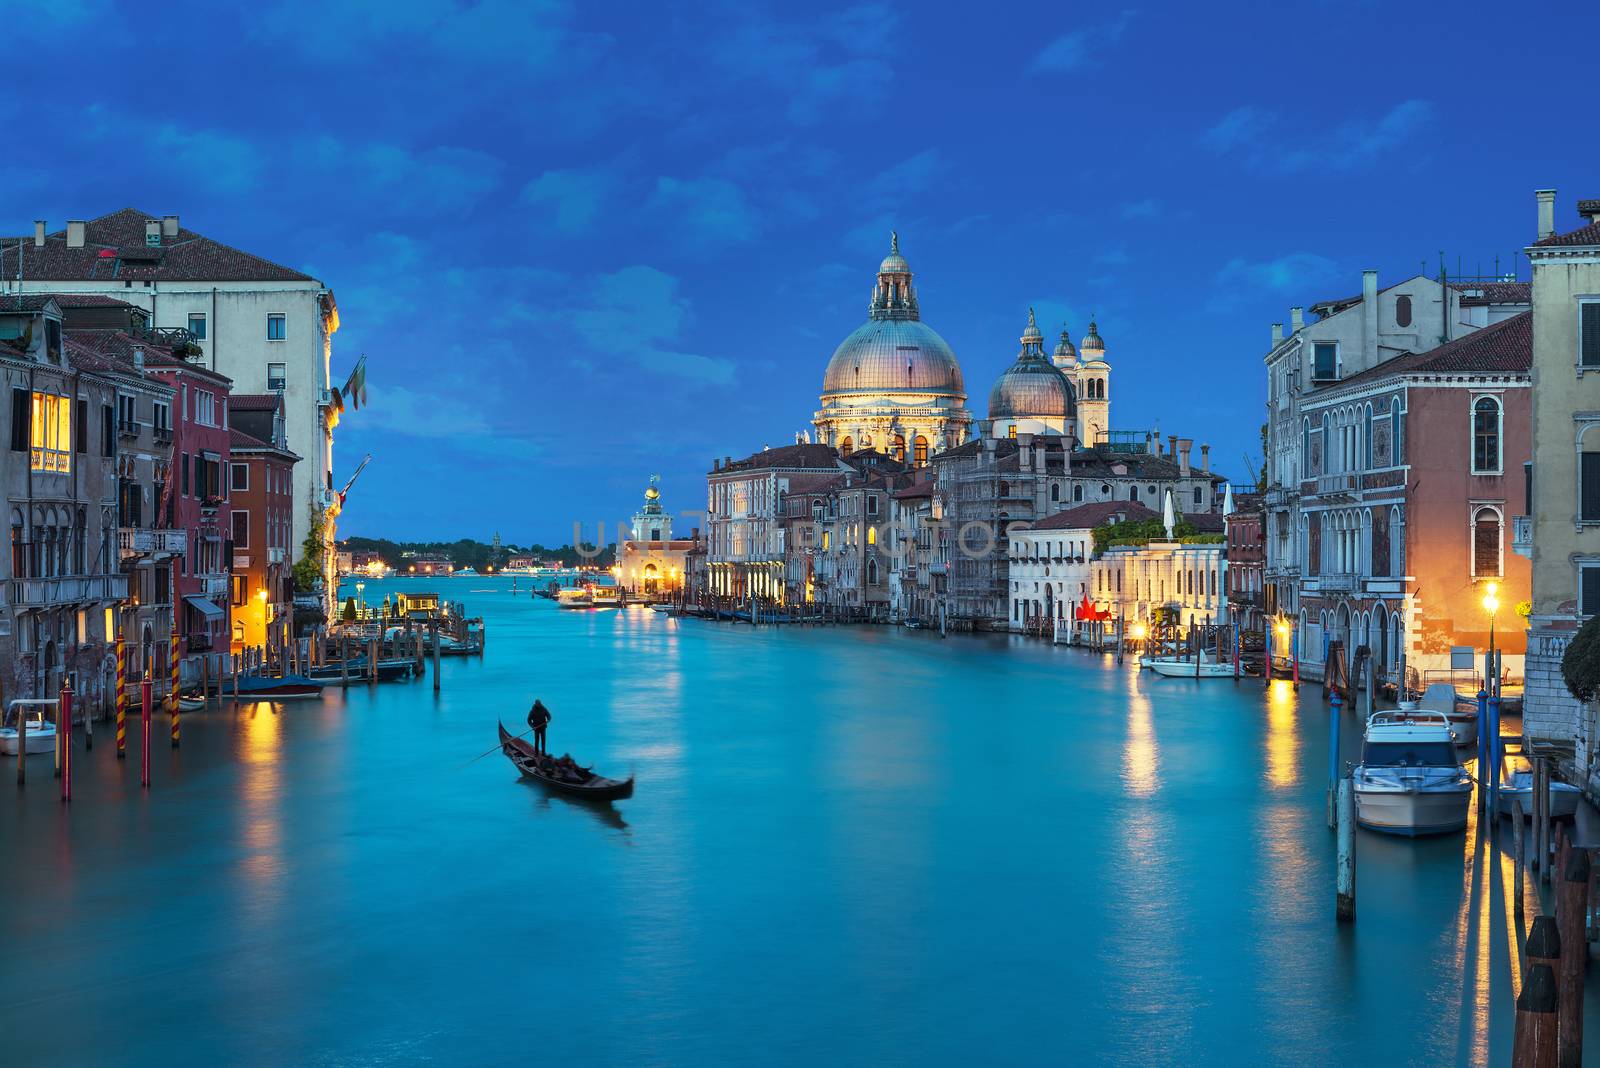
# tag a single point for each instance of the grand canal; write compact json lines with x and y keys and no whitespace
{"x":848,"y":844}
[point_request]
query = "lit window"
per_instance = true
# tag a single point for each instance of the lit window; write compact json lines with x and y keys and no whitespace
{"x":275,"y":328}
{"x":1486,"y":543}
{"x":50,"y":434}
{"x":920,"y":450}
{"x":1012,"y":432}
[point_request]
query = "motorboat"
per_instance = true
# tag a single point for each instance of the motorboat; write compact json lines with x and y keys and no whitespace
{"x":191,"y":702}
{"x":575,"y":597}
{"x":1410,"y":780}
{"x":41,"y":734}
{"x":1178,"y":667}
{"x":277,"y":688}
{"x":1516,"y":787}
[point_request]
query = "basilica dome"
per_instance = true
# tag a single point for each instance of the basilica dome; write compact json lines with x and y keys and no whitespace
{"x":1032,"y":387}
{"x":887,"y":354}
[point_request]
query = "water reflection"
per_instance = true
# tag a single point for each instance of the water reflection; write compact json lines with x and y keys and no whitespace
{"x":260,"y":787}
{"x":1282,"y":743}
{"x":1141,"y":757}
{"x":603,"y":812}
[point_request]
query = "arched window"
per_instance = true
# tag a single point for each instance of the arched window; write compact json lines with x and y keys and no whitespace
{"x":919,"y":450}
{"x":872,"y":535}
{"x":1055,"y":492}
{"x":1486,"y":543}
{"x":872,"y":572}
{"x":1486,"y":436}
{"x":866,"y":443}
{"x":1077,"y":492}
{"x":846,"y":447}
{"x":1005,"y":489}
{"x":900,"y":447}
{"x":1133,"y":493}
{"x":1402,"y":310}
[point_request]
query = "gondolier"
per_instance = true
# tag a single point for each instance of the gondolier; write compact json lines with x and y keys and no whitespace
{"x":538,"y":719}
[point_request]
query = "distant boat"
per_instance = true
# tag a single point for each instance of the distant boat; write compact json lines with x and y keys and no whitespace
{"x":286,"y":688}
{"x":466,"y":572}
{"x":1176,"y":667}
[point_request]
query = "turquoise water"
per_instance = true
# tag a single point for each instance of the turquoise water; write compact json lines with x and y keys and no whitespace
{"x":848,"y":844}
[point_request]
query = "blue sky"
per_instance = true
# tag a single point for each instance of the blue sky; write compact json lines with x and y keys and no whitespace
{"x":582,"y":244}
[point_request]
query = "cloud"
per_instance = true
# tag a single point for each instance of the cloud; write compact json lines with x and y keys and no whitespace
{"x":1141,"y":209}
{"x":638,"y":311}
{"x":574,"y":196}
{"x":1081,"y":49}
{"x":401,"y":179}
{"x":55,"y":13}
{"x":824,"y":67}
{"x":707,"y":212}
{"x":216,"y":160}
{"x":1349,"y":146}
{"x":1292,"y":272}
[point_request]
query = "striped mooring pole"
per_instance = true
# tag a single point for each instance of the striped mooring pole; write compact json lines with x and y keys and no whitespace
{"x":172,"y":661}
{"x":122,"y":697}
{"x":64,"y":733}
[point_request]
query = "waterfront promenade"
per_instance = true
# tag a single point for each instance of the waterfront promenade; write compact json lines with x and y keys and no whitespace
{"x":855,"y":844}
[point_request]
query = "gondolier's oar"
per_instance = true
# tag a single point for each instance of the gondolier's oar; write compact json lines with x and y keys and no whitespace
{"x":496,"y":749}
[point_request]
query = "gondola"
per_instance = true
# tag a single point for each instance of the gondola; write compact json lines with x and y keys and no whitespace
{"x":595,"y":787}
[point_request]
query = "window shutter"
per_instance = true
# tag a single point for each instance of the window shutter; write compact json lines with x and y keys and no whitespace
{"x":1589,"y":594}
{"x":1589,"y":508}
{"x":82,"y":435}
{"x":20,"y":419}
{"x":108,"y":430}
{"x":1589,"y":334}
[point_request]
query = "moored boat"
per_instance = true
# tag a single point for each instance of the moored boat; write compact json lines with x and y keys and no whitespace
{"x":191,"y":702}
{"x":1410,"y":780}
{"x":284,"y":688}
{"x":41,"y":734}
{"x":388,"y":670}
{"x":1177,"y":667}
{"x":586,"y":783}
{"x":1516,"y":787}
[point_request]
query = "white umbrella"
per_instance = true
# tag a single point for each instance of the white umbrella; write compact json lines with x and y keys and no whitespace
{"x":1166,"y":515}
{"x":1227,"y":500}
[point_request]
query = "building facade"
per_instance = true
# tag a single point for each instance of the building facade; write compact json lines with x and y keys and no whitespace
{"x":1245,"y":528}
{"x":745,"y":553}
{"x":1562,"y":527}
{"x":651,"y":563}
{"x":266,"y":327}
{"x":1051,"y":565}
{"x":260,"y":479}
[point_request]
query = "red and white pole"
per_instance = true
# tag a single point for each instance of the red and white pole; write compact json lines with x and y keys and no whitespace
{"x":64,"y":731}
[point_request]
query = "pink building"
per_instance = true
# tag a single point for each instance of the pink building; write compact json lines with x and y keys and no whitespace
{"x":196,"y":502}
{"x":1412,"y":469}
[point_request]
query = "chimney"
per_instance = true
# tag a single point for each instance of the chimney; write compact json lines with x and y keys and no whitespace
{"x":716,"y":465}
{"x":138,"y":359}
{"x":1546,"y":199}
{"x":1066,"y":458}
{"x":1205,"y":459}
{"x":1297,"y":319}
{"x":74,"y":233}
{"x":152,"y":234}
{"x":1184,"y":445}
{"x":169,"y":226}
{"x":1369,"y":318}
{"x":1590,"y":209}
{"x":38,"y":233}
{"x":1172,"y":446}
{"x":1277,"y":334}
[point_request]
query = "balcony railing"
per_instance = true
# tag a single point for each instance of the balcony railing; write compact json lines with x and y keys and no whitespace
{"x":1340,"y":485}
{"x":129,"y":428}
{"x":275,"y":554}
{"x":148,"y":541}
{"x":1522,"y":535}
{"x":1338,"y":583}
{"x":162,"y":435}
{"x":213,"y":585}
{"x":199,"y":642}
{"x":67,"y":589}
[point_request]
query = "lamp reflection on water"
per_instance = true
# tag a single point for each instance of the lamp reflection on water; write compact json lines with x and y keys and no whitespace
{"x":1141,"y":756}
{"x":261,"y":743}
{"x":1283,"y":743}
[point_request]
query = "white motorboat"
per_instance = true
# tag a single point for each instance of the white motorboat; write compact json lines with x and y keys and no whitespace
{"x":1410,"y":780}
{"x":41,"y":735}
{"x":1516,"y":786}
{"x":1177,"y":667}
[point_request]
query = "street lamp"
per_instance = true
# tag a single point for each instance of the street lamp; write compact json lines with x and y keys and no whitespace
{"x":1491,"y":604}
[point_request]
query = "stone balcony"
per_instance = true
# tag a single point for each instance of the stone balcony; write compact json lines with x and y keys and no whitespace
{"x":1522,"y":535}
{"x":66,"y":590}
{"x":1344,"y":486}
{"x":149,"y":541}
{"x":213,"y":585}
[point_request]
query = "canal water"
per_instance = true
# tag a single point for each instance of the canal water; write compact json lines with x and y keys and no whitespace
{"x":848,"y":844}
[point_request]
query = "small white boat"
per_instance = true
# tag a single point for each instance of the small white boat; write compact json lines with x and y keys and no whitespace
{"x":1410,"y":780}
{"x":1516,"y":786}
{"x":1177,"y":667}
{"x":1462,"y":712}
{"x":191,"y":702}
{"x":466,"y":572}
{"x":41,"y":735}
{"x":664,"y":608}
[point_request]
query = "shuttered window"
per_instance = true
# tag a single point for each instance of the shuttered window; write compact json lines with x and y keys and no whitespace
{"x":81,"y":442}
{"x":1589,"y":476}
{"x":1589,"y":333}
{"x":21,"y":415}
{"x":108,"y":430}
{"x":1589,"y":591}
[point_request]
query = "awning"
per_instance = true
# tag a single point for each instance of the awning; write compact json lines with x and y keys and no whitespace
{"x":210,"y":609}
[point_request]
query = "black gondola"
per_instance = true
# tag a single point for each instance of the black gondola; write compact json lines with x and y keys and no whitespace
{"x":592,"y":786}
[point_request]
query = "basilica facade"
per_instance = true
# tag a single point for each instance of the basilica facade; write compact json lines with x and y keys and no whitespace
{"x":894,"y":384}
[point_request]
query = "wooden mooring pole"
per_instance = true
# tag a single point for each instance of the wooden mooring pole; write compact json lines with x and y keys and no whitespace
{"x":1345,"y":900}
{"x":1572,"y":918}
{"x":433,"y":634}
{"x":1533,"y":1042}
{"x":1520,"y":859}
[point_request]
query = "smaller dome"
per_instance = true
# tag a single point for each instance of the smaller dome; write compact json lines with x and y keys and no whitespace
{"x":894,"y":263}
{"x":1032,"y":388}
{"x":1091,"y":340}
{"x":652,"y":494}
{"x":1065,"y":352}
{"x":1032,"y":333}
